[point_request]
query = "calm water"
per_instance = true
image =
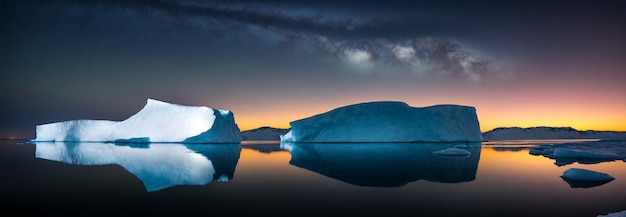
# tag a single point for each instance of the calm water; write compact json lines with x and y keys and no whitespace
{"x":263,"y":178}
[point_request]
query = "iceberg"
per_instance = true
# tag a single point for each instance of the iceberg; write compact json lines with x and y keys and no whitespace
{"x":158,"y":166}
{"x":582,"y":178}
{"x":157,"y":122}
{"x":384,"y":164}
{"x":388,"y":122}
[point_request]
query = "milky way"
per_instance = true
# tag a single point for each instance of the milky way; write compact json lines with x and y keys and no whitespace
{"x":97,"y":59}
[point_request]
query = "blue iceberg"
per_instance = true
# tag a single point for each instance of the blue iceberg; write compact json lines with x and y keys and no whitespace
{"x":388,"y":122}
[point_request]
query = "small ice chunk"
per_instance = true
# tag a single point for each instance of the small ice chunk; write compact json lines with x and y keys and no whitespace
{"x":578,"y":174}
{"x":453,"y":152}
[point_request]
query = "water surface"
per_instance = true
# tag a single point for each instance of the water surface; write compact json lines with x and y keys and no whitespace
{"x":263,"y":178}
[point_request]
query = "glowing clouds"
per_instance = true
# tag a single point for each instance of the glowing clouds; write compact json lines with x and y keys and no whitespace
{"x":359,"y":59}
{"x":357,"y":56}
{"x":404,"y":53}
{"x":427,"y":56}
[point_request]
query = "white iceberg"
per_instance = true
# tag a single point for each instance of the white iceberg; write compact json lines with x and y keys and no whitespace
{"x":578,"y":174}
{"x":453,"y":152}
{"x":156,"y":122}
{"x":388,"y":122}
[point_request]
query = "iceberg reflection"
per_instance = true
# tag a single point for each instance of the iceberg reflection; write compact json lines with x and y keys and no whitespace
{"x":386,"y":164}
{"x":158,"y":166}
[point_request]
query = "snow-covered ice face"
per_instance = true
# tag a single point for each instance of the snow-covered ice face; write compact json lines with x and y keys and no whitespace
{"x":156,"y":122}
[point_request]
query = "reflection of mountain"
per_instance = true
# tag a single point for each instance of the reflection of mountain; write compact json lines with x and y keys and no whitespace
{"x":158,"y":166}
{"x":385,"y":164}
{"x":264,"y":148}
{"x":511,"y":149}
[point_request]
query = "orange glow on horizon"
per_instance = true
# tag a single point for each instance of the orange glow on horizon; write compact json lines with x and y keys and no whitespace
{"x":497,"y":105}
{"x":489,"y":119}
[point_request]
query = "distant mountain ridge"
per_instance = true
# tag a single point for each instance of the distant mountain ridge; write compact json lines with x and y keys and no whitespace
{"x":518,"y":133}
{"x":263,"y":133}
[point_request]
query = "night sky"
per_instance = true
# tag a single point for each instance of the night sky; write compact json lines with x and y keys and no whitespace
{"x":522,"y":63}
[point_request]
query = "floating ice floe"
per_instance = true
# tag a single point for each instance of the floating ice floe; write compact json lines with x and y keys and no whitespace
{"x":582,"y":178}
{"x":156,"y":122}
{"x":585,"y":175}
{"x":583,"y":152}
{"x":388,"y":122}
